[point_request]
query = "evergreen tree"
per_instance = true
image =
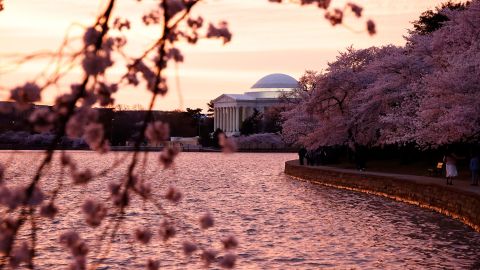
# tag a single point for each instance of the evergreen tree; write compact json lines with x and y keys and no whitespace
{"x":210,"y":108}
{"x":432,"y":20}
{"x":252,"y":124}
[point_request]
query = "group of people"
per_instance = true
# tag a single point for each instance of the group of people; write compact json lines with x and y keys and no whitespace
{"x":313,"y":157}
{"x":320,"y":156}
{"x":451,"y":172}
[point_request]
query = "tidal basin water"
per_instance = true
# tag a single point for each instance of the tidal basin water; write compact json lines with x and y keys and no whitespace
{"x":280,"y":222}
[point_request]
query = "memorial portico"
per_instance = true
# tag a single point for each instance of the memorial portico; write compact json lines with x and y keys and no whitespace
{"x":230,"y":110}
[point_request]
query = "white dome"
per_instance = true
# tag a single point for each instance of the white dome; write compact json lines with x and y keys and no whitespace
{"x":276,"y":80}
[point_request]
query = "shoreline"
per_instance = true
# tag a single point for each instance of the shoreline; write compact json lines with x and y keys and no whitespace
{"x":152,"y":149}
{"x":460,"y":201}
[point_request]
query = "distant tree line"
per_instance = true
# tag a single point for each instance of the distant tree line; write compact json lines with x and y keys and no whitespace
{"x":121,"y":125}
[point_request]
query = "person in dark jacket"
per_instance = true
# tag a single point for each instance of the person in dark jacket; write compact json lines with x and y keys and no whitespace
{"x":301,"y":154}
{"x":475,"y":168}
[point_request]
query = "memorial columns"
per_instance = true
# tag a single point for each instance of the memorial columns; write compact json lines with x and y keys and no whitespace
{"x":237,"y":119}
{"x":224,"y":119}
{"x":230,"y":122}
{"x":232,"y":128}
{"x":215,"y":118}
{"x":227,"y":128}
{"x":220,"y":113}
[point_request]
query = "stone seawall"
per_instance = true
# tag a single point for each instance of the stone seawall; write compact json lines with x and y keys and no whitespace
{"x":458,"y":201}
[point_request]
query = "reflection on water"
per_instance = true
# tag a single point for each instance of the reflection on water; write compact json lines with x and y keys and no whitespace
{"x":281,"y":223}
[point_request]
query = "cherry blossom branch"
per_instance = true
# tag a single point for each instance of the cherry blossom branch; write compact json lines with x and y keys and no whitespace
{"x":103,"y":21}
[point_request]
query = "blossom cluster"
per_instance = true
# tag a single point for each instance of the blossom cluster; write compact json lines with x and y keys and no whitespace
{"x":336,"y":15}
{"x":25,"y":95}
{"x":259,"y":141}
{"x":77,"y":247}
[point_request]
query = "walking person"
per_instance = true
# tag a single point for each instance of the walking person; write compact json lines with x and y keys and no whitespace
{"x":475,"y":168}
{"x":301,"y":155}
{"x":450,"y":167}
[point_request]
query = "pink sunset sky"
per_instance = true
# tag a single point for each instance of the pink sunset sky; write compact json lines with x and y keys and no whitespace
{"x":267,"y":38}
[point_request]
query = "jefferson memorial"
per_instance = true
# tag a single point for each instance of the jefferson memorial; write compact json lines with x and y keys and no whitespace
{"x":230,"y":110}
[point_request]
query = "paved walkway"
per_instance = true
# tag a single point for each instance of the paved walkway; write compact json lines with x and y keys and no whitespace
{"x":461,"y":185}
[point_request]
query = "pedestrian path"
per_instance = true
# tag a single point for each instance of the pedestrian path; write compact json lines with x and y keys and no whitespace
{"x":459,"y":185}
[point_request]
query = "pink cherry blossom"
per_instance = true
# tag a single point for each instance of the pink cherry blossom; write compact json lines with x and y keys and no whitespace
{"x":104,"y":93}
{"x":220,"y":31}
{"x":82,"y":177}
{"x":335,"y":16}
{"x":65,"y":159}
{"x":79,"y":249}
{"x":114,"y":188}
{"x":208,"y":256}
{"x":62,"y":103}
{"x":82,"y":117}
{"x":91,"y":36}
{"x":160,"y":88}
{"x":174,"y":7}
{"x":166,"y":230}
{"x":228,"y":261}
{"x":206,"y":221}
{"x":95,"y":64}
{"x":12,"y":197}
{"x":189,"y":247}
{"x":49,"y":210}
{"x":230,"y":242}
{"x":69,"y":238}
{"x":168,"y":155}
{"x":157,"y":132}
{"x":94,"y":136}
{"x":26,"y":94}
{"x":356,"y":9}
{"x":195,"y":23}
{"x":143,"y":189}
{"x":173,"y":194}
{"x":228,"y":144}
{"x":371,"y":27}
{"x":121,"y":23}
{"x":143,"y":235}
{"x":42,"y":119}
{"x":78,"y":263}
{"x":140,"y":67}
{"x":94,"y":212}
{"x":153,"y":264}
{"x":20,"y":254}
{"x":8,"y":226}
{"x":175,"y":54}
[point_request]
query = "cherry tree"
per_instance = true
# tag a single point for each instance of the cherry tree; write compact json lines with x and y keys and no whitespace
{"x":387,"y":110}
{"x":297,"y":123}
{"x":449,"y":108}
{"x":329,"y":107}
{"x":425,"y":93}
{"x":260,"y":141}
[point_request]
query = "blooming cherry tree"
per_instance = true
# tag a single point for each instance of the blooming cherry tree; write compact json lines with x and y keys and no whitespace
{"x":425,"y":93}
